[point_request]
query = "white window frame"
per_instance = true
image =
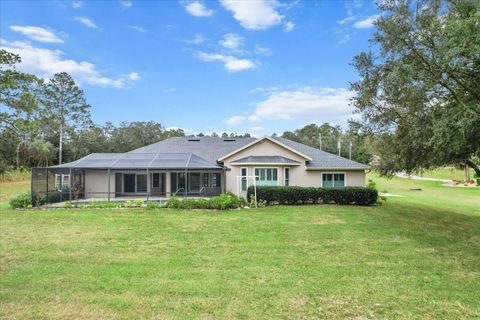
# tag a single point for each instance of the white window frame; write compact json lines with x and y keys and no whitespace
{"x":244,"y":177}
{"x":333,"y":178}
{"x":60,"y":179}
{"x":255,"y":169}
{"x":284,"y":176}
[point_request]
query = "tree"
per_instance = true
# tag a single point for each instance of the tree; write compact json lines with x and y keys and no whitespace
{"x":19,"y":97}
{"x":65,"y":107}
{"x":419,"y":86}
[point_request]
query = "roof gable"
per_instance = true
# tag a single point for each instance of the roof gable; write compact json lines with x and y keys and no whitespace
{"x":263,"y":139}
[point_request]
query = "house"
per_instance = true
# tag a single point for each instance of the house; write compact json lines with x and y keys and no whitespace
{"x":198,"y":166}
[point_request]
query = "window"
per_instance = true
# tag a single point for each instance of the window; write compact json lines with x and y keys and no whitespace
{"x":62,"y":181}
{"x":243,"y":173}
{"x":266,"y":176}
{"x":286,"y":176}
{"x":141,"y":183}
{"x":205,"y":179}
{"x":156,"y":180}
{"x":333,"y":180}
{"x":216,"y":179}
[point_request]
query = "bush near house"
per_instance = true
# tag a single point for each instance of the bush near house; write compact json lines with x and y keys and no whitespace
{"x":309,"y":195}
{"x":21,"y":201}
{"x":224,"y":201}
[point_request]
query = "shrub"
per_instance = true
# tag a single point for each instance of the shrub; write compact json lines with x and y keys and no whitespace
{"x":68,"y":204}
{"x":138,"y":202}
{"x":152,"y":205}
{"x":15,"y":175}
{"x":102,"y":205}
{"x":21,"y":201}
{"x":222,"y":202}
{"x":306,"y":195}
{"x":173,"y":203}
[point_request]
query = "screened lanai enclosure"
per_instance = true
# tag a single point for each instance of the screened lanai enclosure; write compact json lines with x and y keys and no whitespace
{"x":123,"y":176}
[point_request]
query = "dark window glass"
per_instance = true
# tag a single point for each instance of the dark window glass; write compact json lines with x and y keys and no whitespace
{"x":156,"y":180}
{"x":216,"y":180}
{"x":141,"y":183}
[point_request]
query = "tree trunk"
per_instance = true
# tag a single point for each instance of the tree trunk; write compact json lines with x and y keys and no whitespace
{"x":61,"y":136}
{"x":474,"y":166}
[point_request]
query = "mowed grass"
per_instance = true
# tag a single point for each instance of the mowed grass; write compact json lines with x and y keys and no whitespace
{"x":406,"y":259}
{"x":449,"y":173}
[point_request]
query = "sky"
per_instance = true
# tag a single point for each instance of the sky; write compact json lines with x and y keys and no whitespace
{"x":204,"y":66}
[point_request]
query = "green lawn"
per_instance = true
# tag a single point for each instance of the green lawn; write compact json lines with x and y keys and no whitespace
{"x":447,"y":173}
{"x":9,"y":190}
{"x":415,"y":257}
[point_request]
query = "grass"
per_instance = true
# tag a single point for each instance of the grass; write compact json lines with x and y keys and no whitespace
{"x":15,"y":175}
{"x":449,"y":173}
{"x":415,"y":257}
{"x":10,"y":189}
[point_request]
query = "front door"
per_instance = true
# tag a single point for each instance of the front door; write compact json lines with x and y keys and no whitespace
{"x":128,"y":183}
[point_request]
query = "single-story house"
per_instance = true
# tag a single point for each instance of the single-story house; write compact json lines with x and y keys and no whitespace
{"x":198,"y":166}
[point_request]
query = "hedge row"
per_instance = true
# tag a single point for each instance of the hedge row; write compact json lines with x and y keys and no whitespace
{"x":224,"y":201}
{"x":307,"y":195}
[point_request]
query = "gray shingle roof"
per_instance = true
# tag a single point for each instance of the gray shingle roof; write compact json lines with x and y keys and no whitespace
{"x":209,"y":148}
{"x":141,"y":161}
{"x":202,"y":153}
{"x":266,"y":159}
{"x":322,"y":159}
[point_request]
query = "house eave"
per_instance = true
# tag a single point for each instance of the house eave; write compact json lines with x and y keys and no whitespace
{"x":336,"y":168}
{"x":264,"y":164}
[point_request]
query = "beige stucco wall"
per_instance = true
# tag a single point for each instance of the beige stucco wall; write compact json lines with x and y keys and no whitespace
{"x":96,"y":184}
{"x":299,"y":176}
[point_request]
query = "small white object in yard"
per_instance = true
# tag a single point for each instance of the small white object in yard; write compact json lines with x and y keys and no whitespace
{"x":389,"y":194}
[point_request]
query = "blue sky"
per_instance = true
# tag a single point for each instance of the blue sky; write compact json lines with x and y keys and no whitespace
{"x":235,"y":66}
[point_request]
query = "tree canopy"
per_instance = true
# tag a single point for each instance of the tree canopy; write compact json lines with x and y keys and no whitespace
{"x":419,"y":86}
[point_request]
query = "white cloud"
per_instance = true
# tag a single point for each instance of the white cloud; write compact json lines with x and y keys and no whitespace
{"x":77,"y":4}
{"x":197,"y":9}
{"x":347,"y":19}
{"x":86,"y":22}
{"x":134,"y":76}
{"x":231,"y":63}
{"x":197,"y":39}
{"x":125,"y":4}
{"x":263,"y":50}
{"x":255,"y":15}
{"x":367,"y":22}
{"x":235,"y":120}
{"x":37,"y":34}
{"x":138,"y":28}
{"x":187,"y":131}
{"x":232,"y":41}
{"x":306,"y":104}
{"x":289,"y":26}
{"x":45,"y":63}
